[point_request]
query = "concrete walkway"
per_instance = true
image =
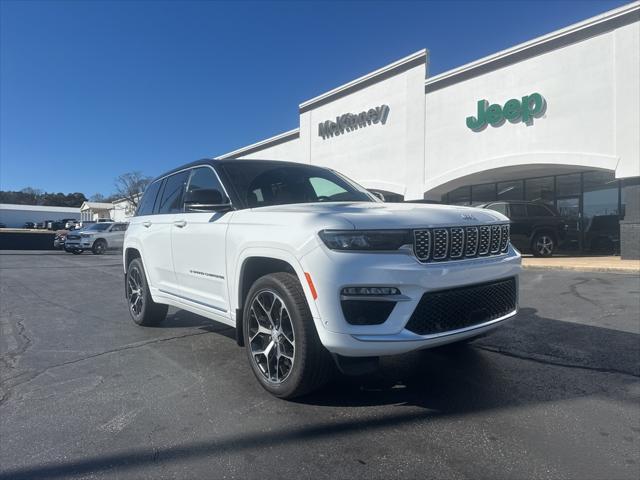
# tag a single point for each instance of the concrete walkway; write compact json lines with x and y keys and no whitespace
{"x":586,"y":264}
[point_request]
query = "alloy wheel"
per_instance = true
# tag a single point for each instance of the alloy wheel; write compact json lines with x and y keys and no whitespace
{"x":544,"y":245}
{"x":271,"y":336}
{"x":134,"y":291}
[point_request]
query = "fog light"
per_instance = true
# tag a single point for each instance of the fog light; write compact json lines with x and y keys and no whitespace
{"x":372,"y":291}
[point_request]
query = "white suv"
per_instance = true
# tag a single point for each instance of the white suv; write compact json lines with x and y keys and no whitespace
{"x":307,"y":265}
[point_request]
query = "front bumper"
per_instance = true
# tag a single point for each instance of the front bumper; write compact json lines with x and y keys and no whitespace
{"x":82,"y":244}
{"x":331,"y":271}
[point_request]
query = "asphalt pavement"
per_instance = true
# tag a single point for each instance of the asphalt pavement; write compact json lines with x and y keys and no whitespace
{"x":85,"y":393}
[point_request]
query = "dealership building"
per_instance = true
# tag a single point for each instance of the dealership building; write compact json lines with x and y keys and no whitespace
{"x":554,"y":120}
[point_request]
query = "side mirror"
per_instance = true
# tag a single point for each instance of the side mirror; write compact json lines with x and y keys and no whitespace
{"x":206,"y":200}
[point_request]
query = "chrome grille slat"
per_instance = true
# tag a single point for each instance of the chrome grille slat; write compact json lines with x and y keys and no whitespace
{"x":504,"y":239}
{"x":440,"y":243}
{"x":456,"y":249}
{"x":453,"y":243}
{"x":422,"y":244}
{"x":471,"y":248}
{"x":495,"y":238}
{"x":484,"y":240}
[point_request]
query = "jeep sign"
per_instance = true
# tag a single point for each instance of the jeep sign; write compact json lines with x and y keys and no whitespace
{"x":352,"y":121}
{"x":514,"y":110}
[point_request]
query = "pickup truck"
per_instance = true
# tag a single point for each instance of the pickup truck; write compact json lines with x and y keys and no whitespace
{"x":312,"y":270}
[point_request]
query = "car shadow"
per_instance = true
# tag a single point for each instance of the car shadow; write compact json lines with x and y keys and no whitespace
{"x":184,"y":319}
{"x":488,"y":372}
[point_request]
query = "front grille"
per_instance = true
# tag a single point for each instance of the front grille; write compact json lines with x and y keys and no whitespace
{"x":73,"y":237}
{"x":448,"y":310}
{"x":452,"y":243}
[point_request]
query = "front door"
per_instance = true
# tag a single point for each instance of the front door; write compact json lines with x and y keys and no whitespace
{"x":569,"y":208}
{"x":198,"y":246}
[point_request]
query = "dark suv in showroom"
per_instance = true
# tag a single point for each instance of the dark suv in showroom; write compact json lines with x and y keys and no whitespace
{"x":535,"y":227}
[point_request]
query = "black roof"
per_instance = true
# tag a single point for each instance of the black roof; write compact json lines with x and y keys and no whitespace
{"x":215,"y":162}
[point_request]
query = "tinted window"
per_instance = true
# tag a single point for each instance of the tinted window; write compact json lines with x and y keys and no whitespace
{"x":148,"y":199}
{"x":121,"y":227}
{"x":538,"y":211}
{"x":261,"y":184}
{"x":517,"y":210}
{"x":498,"y":207}
{"x":98,"y":227}
{"x":171,"y":200}
{"x":204,"y":177}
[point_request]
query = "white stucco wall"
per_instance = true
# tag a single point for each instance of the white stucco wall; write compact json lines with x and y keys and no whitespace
{"x":626,"y":48}
{"x":289,"y":151}
{"x":388,"y":156}
{"x":588,"y":74}
{"x":588,"y":122}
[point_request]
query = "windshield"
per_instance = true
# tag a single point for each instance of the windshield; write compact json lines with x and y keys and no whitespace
{"x":262,"y":183}
{"x":97,"y":227}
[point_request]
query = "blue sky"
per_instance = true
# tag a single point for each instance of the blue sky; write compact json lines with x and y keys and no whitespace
{"x":90,"y":90}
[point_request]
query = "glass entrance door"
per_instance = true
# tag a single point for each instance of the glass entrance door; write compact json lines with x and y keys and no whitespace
{"x":569,"y":208}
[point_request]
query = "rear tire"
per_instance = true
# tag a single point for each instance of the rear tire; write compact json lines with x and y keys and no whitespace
{"x":143,"y":310}
{"x":277,"y":320}
{"x":543,"y":245}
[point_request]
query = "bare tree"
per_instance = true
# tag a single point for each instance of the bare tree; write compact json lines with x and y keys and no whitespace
{"x":130,"y":186}
{"x":97,"y":197}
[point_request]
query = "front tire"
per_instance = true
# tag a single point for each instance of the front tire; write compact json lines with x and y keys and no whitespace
{"x":99,"y":247}
{"x":143,"y":310}
{"x":543,"y":245}
{"x":282,"y":343}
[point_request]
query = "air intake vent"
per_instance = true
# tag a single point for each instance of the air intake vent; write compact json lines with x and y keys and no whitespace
{"x":464,"y":307}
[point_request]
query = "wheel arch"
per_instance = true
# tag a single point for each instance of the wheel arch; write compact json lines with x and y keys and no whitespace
{"x":255,"y":264}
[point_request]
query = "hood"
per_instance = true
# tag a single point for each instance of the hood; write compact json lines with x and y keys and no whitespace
{"x":373,"y":215}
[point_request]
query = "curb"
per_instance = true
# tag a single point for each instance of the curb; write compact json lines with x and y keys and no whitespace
{"x":580,"y":268}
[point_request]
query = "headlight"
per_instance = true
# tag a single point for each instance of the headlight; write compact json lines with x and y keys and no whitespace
{"x":86,"y":235}
{"x":366,"y":240}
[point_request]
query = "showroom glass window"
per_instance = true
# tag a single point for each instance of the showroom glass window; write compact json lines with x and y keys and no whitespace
{"x":600,"y":213}
{"x":540,"y":190}
{"x":149,"y":199}
{"x":460,"y":196}
{"x":510,"y":190}
{"x":171,"y":200}
{"x":483,"y":193}
{"x":568,"y":185}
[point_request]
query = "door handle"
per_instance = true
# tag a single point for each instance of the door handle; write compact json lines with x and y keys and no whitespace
{"x":146,"y":224}
{"x":180,"y":223}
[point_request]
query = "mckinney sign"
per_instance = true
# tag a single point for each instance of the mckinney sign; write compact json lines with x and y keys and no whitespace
{"x":352,"y":121}
{"x":515,"y":110}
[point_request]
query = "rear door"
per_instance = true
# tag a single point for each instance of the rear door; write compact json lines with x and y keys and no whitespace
{"x":198,"y":246}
